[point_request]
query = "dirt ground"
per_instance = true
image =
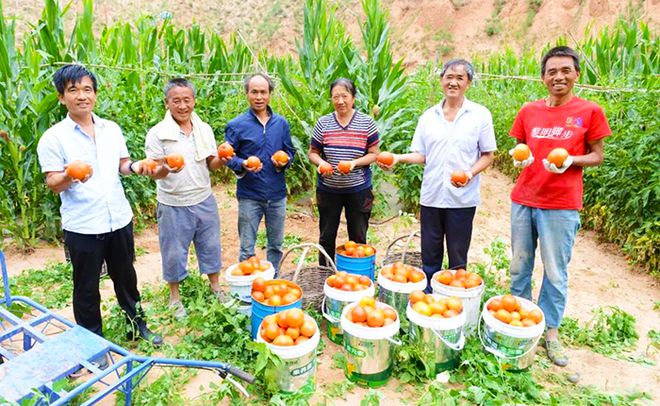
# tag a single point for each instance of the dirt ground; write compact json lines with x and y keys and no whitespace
{"x":599,"y":275}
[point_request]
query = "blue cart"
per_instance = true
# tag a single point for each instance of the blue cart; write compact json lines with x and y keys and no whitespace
{"x":41,"y":348}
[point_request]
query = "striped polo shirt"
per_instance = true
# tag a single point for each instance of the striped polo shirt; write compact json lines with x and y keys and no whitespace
{"x":337,"y":143}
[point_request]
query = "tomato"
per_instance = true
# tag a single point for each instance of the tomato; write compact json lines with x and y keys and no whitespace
{"x":308,"y":328}
{"x":253,"y":162}
{"x":509,"y":303}
{"x":459,"y":177}
{"x":521,"y":152}
{"x":281,"y":157}
{"x":557,"y":156}
{"x":445,"y":277}
{"x":376,"y":318}
{"x":326,"y":169}
{"x":175,"y":161}
{"x":283,"y":340}
{"x":385,"y":158}
{"x":78,"y":170}
{"x":344,"y":167}
{"x":358,"y":314}
{"x":225,"y":151}
{"x":536,"y":315}
{"x":416,"y":296}
{"x":295,"y":317}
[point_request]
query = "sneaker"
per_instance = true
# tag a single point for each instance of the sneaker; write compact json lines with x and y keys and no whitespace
{"x":178,"y":310}
{"x":556,"y":353}
{"x":221,"y":296}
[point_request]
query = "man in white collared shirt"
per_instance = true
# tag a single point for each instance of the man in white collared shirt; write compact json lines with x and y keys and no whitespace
{"x":96,"y":216}
{"x":455,"y":135}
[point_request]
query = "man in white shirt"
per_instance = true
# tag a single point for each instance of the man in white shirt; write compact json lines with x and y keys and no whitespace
{"x":96,"y":216}
{"x":455,"y":135}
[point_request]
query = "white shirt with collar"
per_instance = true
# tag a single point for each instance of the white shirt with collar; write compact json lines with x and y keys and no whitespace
{"x":449,"y":146}
{"x":99,"y":205}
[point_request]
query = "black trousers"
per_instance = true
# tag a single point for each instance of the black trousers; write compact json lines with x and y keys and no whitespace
{"x":357,"y":210}
{"x":454,"y":225}
{"x":88,"y":251}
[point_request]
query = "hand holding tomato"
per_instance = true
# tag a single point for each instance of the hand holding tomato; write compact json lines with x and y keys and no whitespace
{"x":253,"y":164}
{"x":387,"y":160}
{"x":460,"y":178}
{"x":558,"y":161}
{"x":345,"y":167}
{"x":325,"y":169}
{"x":78,"y":171}
{"x":522,"y":156}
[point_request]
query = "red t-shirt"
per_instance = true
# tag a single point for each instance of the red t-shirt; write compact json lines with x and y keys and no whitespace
{"x":543,"y":129}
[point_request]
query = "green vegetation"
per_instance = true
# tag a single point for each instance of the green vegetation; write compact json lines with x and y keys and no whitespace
{"x":494,"y":25}
{"x":51,"y":286}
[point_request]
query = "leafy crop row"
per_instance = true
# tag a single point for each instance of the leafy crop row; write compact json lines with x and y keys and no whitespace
{"x":622,"y":196}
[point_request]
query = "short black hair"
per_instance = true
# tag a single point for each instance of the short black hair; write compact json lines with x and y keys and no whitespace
{"x":347,"y":83}
{"x":179,"y":82}
{"x":469,"y":69}
{"x":271,"y":84}
{"x":561,"y":51}
{"x":73,"y":73}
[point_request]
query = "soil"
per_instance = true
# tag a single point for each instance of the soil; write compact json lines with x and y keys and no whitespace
{"x":599,"y":275}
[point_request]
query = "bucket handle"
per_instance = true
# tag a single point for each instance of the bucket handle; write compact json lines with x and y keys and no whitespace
{"x":457,"y":346}
{"x":394,"y":341}
{"x":405,"y":248}
{"x":327,"y":315}
{"x":498,"y":353}
{"x":301,"y":261}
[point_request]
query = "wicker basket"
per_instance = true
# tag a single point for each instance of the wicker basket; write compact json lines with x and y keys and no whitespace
{"x":400,"y":251}
{"x":310,"y":277}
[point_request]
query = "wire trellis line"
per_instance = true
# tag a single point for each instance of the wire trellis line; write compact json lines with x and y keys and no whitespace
{"x":595,"y":88}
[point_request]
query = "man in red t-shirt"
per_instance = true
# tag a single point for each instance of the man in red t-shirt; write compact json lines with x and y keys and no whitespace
{"x":548,"y":193}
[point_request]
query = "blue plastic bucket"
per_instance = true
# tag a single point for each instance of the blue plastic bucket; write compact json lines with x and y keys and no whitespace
{"x":361,"y":266}
{"x":261,"y":310}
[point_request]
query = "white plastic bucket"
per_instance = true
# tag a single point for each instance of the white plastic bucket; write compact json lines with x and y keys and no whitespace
{"x":471,"y":299}
{"x":514,"y":346}
{"x":333,"y":304}
{"x":397,"y":294}
{"x":369,"y":351}
{"x":437,"y":338}
{"x":299,"y":361}
{"x":241,"y":286}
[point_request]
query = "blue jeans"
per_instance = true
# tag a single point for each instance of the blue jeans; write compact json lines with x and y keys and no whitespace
{"x":555,"y":232}
{"x":250,"y":213}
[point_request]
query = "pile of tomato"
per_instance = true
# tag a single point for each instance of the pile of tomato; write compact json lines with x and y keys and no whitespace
{"x":355,"y":250}
{"x":250,"y":266}
{"x":508,"y":310}
{"x":459,"y":279}
{"x":430,"y":306}
{"x":343,"y":280}
{"x":369,"y":313}
{"x":287,"y":328}
{"x":276,"y":292}
{"x":402,"y":273}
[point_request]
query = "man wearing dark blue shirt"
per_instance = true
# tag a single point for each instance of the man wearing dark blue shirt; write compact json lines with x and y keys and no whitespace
{"x":261,"y":187}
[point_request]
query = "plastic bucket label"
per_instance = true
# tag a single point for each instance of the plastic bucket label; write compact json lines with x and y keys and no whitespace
{"x":356,"y":351}
{"x":304,"y":369}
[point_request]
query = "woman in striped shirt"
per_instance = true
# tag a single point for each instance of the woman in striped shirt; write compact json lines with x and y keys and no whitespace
{"x":345,"y":139}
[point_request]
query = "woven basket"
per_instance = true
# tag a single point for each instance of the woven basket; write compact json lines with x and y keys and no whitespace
{"x":310,"y":277}
{"x":399,"y":250}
